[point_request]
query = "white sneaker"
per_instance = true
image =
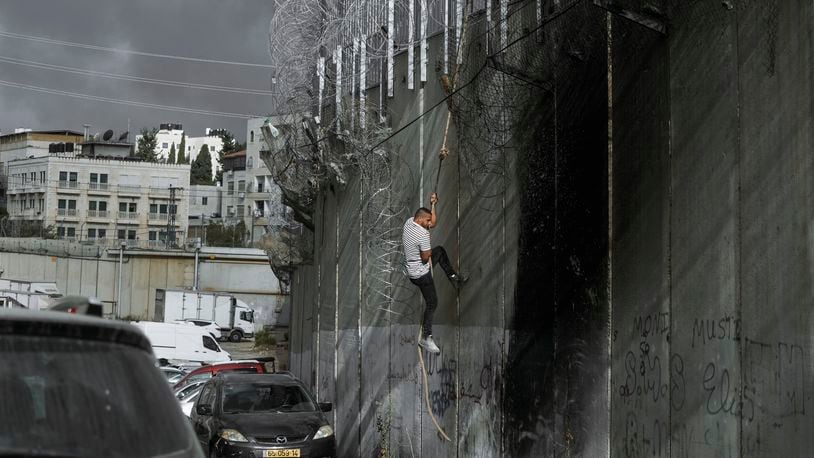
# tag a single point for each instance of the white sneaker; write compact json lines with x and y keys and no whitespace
{"x":429,"y":345}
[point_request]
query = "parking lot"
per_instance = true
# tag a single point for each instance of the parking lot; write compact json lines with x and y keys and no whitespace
{"x":245,"y":349}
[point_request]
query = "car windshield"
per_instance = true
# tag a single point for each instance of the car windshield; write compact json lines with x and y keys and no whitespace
{"x":189,"y":391}
{"x":265,"y":397}
{"x":69,"y":397}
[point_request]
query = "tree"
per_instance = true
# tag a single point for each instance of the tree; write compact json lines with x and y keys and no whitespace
{"x":171,"y":157}
{"x":230,"y":145}
{"x":219,"y":234}
{"x":182,"y":149}
{"x":147,"y":144}
{"x":201,"y":170}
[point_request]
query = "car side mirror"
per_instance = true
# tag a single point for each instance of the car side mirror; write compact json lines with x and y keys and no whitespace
{"x":326,"y":406}
{"x":204,"y":409}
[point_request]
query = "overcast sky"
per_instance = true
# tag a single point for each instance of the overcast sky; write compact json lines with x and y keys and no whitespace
{"x":227,"y":30}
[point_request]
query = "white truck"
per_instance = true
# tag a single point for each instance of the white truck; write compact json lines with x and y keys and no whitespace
{"x":235,"y":318}
{"x":181,"y":342}
{"x":32,"y":295}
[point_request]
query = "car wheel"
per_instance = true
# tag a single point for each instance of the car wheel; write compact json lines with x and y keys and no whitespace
{"x":235,"y":336}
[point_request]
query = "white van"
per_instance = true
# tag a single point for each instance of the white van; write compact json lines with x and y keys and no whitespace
{"x":182,"y":342}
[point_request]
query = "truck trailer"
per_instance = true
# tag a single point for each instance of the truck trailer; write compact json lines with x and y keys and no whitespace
{"x":233,"y":316}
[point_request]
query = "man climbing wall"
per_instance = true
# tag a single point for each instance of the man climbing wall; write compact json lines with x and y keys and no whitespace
{"x":418,"y":257}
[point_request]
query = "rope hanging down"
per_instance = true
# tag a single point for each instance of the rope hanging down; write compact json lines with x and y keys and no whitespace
{"x":442,"y":154}
{"x":450,"y":88}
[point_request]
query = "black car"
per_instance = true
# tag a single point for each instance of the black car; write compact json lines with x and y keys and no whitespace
{"x":261,"y":416}
{"x":82,"y":386}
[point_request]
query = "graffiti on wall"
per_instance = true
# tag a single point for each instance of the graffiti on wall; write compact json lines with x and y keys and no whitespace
{"x":761,"y":388}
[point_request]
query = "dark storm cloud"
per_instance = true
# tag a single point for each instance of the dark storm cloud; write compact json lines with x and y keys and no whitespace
{"x":230,"y":30}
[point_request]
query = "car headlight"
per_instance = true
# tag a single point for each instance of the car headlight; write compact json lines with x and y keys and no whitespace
{"x":323,"y":432}
{"x":233,"y":435}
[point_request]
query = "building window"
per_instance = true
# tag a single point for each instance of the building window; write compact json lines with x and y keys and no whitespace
{"x":164,"y":145}
{"x":128,"y":207}
{"x":241,"y":186}
{"x":42,"y":177}
{"x":230,"y":188}
{"x":204,"y":200}
{"x":260,"y":184}
{"x":251,"y":136}
{"x":230,"y":211}
{"x":98,"y":181}
{"x":129,"y":234}
{"x":66,"y":207}
{"x":250,"y":162}
{"x":240,"y":210}
{"x":68,"y":179}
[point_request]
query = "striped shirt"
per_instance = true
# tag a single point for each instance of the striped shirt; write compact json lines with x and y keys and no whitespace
{"x":415,"y":239}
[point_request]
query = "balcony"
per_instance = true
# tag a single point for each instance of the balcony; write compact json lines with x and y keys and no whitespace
{"x":128,"y":215}
{"x":28,"y":213}
{"x":66,"y":212}
{"x":98,"y":188}
{"x":98,"y":214}
{"x":68,"y":187}
{"x":130,"y":190}
{"x":160,"y":192}
{"x":158,"y":217}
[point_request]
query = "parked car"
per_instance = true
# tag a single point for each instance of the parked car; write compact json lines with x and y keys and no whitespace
{"x":80,"y":305}
{"x":209,"y":326}
{"x":188,"y":395}
{"x":208,"y":371}
{"x":267,"y":415}
{"x":172,"y":374}
{"x":75,"y":385}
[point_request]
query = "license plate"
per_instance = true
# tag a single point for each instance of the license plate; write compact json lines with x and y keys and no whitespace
{"x":286,"y":453}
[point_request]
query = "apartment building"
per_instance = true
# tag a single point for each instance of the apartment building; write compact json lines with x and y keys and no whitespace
{"x":234,"y":203}
{"x":204,"y":206}
{"x":263,"y":197}
{"x":25,"y":143}
{"x":100,"y":200}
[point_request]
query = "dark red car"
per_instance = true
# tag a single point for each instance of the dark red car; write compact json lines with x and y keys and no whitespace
{"x":209,"y":371}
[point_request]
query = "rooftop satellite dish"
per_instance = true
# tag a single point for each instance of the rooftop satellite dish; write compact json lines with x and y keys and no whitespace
{"x":123,"y":136}
{"x":108,"y":135}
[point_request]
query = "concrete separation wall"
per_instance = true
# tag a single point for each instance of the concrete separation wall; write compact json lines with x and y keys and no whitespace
{"x":712,"y":225}
{"x":523,"y":369}
{"x":640,"y":252}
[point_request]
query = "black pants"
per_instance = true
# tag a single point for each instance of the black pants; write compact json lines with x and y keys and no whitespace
{"x":427,"y":286}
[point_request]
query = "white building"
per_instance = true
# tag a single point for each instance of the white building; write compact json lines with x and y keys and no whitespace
{"x":100,"y":200}
{"x":25,"y":143}
{"x":171,"y":134}
{"x":204,"y":207}
{"x":263,"y":196}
